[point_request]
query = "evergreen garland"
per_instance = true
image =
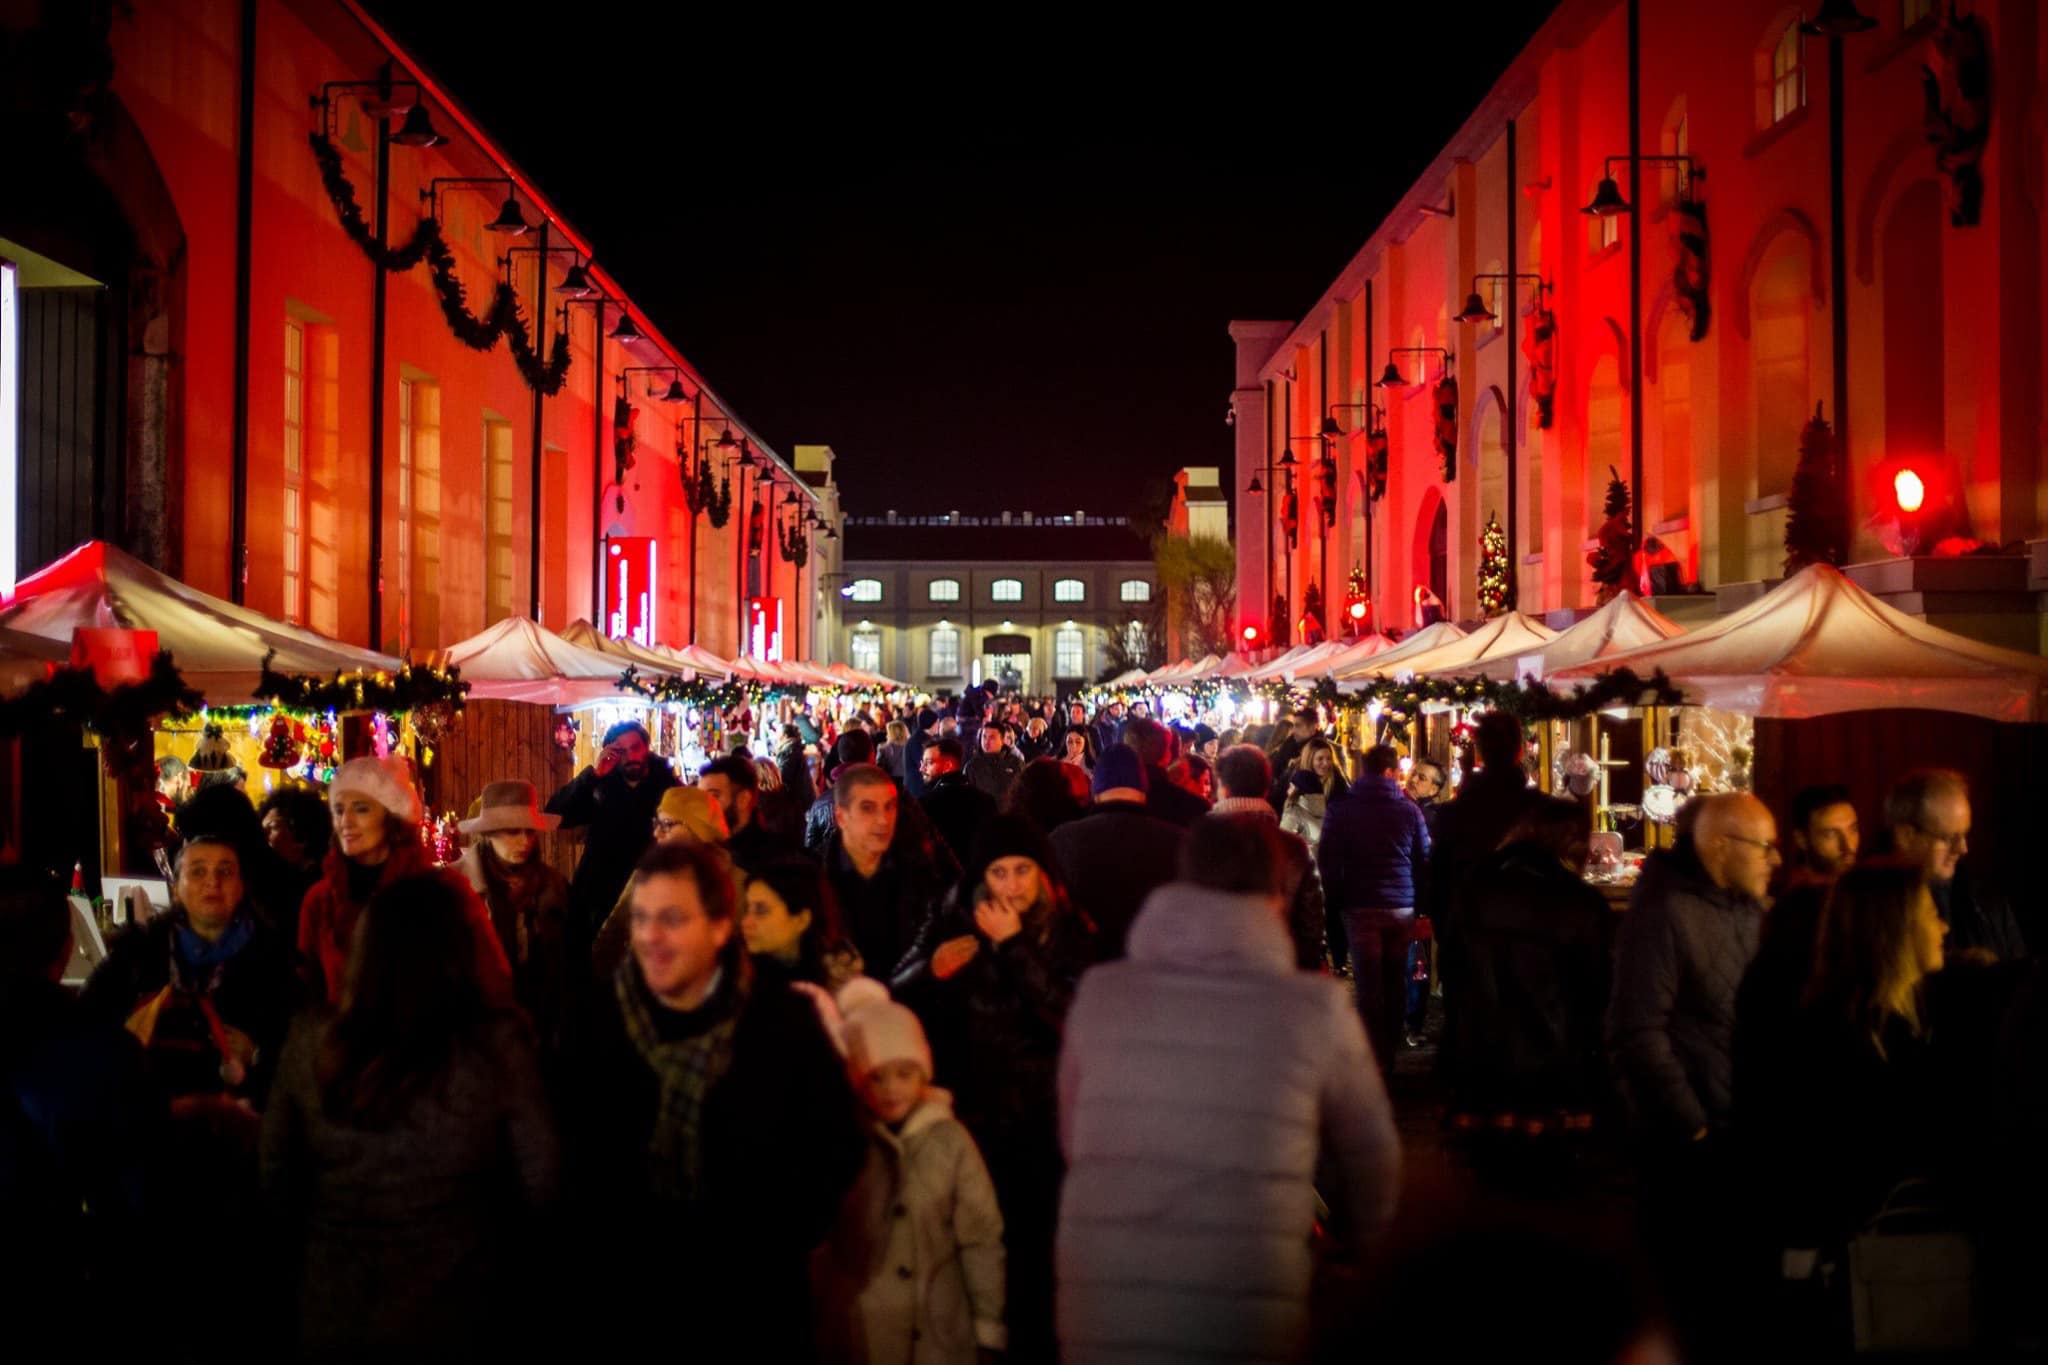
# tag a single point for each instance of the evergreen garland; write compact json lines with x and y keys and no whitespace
{"x":1610,"y":558}
{"x":412,"y":688}
{"x":503,"y":318}
{"x":1447,"y":425}
{"x":1816,"y":521}
{"x":1496,"y":582}
{"x":73,"y":696}
{"x":670,"y":690}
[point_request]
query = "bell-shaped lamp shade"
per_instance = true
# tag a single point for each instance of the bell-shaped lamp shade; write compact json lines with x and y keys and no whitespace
{"x":1255,"y":487}
{"x":725,"y":440}
{"x":575,"y":282}
{"x":1475,"y":309}
{"x":1332,"y":428}
{"x":675,"y":392}
{"x":1607,"y":200}
{"x":1837,"y":19}
{"x":1390,"y":378}
{"x":509,"y":220}
{"x":417,"y":130}
{"x":1286,"y":460}
{"x":627,"y":330}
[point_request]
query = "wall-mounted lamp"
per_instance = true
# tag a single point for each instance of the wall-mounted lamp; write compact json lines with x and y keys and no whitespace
{"x":381,"y":100}
{"x":1475,"y":306}
{"x":1390,"y":378}
{"x":509,"y":221}
{"x":675,"y":392}
{"x":1607,"y":197}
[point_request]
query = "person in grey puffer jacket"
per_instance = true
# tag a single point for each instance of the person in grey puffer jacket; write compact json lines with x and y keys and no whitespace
{"x":1201,"y":1058}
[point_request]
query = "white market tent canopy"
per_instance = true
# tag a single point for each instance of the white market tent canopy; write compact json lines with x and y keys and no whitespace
{"x":1273,"y":666}
{"x":1625,"y":623}
{"x":1236,"y":666}
{"x":586,"y":636}
{"x":1303,"y":659}
{"x":1817,"y":644}
{"x":521,"y":660}
{"x":698,"y":660}
{"x":1130,"y":678}
{"x":1506,"y":636}
{"x":1348,"y":655}
{"x":1170,"y":673}
{"x":1388,"y":662}
{"x":217,"y":646}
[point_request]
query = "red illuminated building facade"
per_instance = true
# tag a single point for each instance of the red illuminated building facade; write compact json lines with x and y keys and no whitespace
{"x":213,"y":371}
{"x":1750,"y":273}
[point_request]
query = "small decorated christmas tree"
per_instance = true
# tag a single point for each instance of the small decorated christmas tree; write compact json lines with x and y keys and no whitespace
{"x":1616,"y":541}
{"x":281,"y":745}
{"x":1817,"y":516}
{"x":1496,"y":587}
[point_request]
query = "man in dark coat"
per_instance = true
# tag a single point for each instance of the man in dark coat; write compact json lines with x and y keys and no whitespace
{"x":994,"y":769}
{"x":1466,"y":831}
{"x":887,"y":884}
{"x":855,"y":746}
{"x":956,"y":808}
{"x":1243,"y":777}
{"x":1164,"y":798}
{"x":614,"y":803}
{"x":1372,"y":854}
{"x":1117,"y":854}
{"x":711,"y":1131}
{"x":1928,"y":813}
{"x":1303,"y":726}
{"x":77,"y":1159}
{"x":735,"y":785}
{"x":922,"y":733}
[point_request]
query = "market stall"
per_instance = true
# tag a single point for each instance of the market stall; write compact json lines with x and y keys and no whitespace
{"x":1623,"y":624}
{"x":1507,"y":636}
{"x":1386,"y":663}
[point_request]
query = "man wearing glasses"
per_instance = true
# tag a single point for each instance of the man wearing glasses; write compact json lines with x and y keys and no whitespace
{"x":1928,"y":812}
{"x":614,"y":801}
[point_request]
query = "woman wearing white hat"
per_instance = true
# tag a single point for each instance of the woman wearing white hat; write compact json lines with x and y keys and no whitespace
{"x":377,"y":816}
{"x":528,"y":900}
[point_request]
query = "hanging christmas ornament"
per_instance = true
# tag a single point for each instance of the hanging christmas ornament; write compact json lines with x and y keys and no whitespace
{"x":212,"y":754}
{"x":281,"y":746}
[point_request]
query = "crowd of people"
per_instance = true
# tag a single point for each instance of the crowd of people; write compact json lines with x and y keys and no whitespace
{"x":983,"y":1028}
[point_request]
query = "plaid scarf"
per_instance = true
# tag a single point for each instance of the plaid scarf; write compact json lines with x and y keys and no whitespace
{"x":687,"y":1068}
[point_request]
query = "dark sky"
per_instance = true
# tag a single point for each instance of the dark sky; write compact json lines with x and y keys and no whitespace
{"x":991,"y":271}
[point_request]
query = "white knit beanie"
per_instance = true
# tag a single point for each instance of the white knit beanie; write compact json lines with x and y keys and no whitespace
{"x":387,"y":781}
{"x":885,"y":1032}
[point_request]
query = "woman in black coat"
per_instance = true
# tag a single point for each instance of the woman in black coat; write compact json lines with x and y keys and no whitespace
{"x":992,"y":974}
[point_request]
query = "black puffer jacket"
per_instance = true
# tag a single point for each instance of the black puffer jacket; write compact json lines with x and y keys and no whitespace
{"x":1684,"y":947}
{"x":1536,"y":935}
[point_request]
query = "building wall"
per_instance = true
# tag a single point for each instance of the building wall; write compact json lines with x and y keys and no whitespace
{"x":176,"y":72}
{"x":1945,"y":355}
{"x":905,"y":616}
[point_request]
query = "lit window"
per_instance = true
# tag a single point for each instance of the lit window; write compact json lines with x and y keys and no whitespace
{"x":1788,"y":75}
{"x":501,"y":573}
{"x":865,"y":590}
{"x":1069,"y":652}
{"x":1134,"y":639}
{"x":419,"y":513}
{"x":294,"y":472}
{"x":1135,"y":590}
{"x":1006,"y":590}
{"x":1603,"y":230}
{"x":1069,"y":590}
{"x":867,"y":651}
{"x":945,"y":590}
{"x":945,"y":652}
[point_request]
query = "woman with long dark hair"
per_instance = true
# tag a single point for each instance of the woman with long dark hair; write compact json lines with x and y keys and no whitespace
{"x":407,"y":1144}
{"x":790,"y":922}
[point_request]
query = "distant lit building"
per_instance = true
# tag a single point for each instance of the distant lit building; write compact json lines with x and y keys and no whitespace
{"x":1041,"y":603}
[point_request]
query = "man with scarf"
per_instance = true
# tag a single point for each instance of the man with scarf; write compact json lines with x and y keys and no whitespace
{"x":527,"y":899}
{"x":711,"y":1131}
{"x":208,"y":989}
{"x":614,"y":803}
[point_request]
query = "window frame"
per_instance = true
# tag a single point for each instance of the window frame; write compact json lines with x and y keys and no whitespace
{"x":932,"y":591}
{"x":1143,"y":595}
{"x":1069,"y":590}
{"x":865,"y":642}
{"x":1009,"y":590}
{"x":1788,"y":75}
{"x":947,"y":667}
{"x":1068,"y":640}
{"x":293,"y":518}
{"x":859,"y":593}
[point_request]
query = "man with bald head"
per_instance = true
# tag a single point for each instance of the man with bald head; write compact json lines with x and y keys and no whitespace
{"x":1683,"y":949}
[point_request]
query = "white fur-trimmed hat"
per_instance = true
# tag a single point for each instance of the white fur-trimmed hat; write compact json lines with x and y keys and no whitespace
{"x":387,"y":781}
{"x":885,"y":1031}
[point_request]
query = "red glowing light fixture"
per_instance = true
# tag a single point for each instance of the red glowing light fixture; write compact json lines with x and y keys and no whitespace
{"x":1910,"y":489}
{"x":1358,"y":610}
{"x":1251,"y":634}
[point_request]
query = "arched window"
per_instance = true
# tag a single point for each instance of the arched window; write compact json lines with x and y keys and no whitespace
{"x":944,"y":590}
{"x":1493,"y":461}
{"x":1134,"y":590}
{"x":1006,"y":590}
{"x":864,"y":590}
{"x":865,"y":652}
{"x":1781,"y":314}
{"x":1069,"y":590}
{"x":1788,"y":75}
{"x":1069,"y":653}
{"x":945,"y":652}
{"x":1670,"y":496}
{"x":1603,"y":438}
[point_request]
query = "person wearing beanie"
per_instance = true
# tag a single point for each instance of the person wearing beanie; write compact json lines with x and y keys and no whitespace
{"x":377,"y":815}
{"x":1117,"y":854}
{"x":913,"y":1269}
{"x":613,"y":803}
{"x":991,"y":975}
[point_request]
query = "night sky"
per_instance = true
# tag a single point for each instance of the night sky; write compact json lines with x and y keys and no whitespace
{"x":993,"y":279}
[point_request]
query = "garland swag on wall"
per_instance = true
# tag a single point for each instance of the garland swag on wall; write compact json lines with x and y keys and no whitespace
{"x":412,"y":688}
{"x":504,"y":318}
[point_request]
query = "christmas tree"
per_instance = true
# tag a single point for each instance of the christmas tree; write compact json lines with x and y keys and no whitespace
{"x":1817,"y":519}
{"x":1610,"y":557}
{"x":1496,"y":586}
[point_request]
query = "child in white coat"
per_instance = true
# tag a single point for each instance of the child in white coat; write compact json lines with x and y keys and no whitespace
{"x":914,"y":1269}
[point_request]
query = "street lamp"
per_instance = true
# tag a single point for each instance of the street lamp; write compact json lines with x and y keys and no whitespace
{"x":510,"y":221}
{"x":1391,"y":377}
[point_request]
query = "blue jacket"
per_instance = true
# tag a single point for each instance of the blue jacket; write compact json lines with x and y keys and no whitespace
{"x":1374,"y":849}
